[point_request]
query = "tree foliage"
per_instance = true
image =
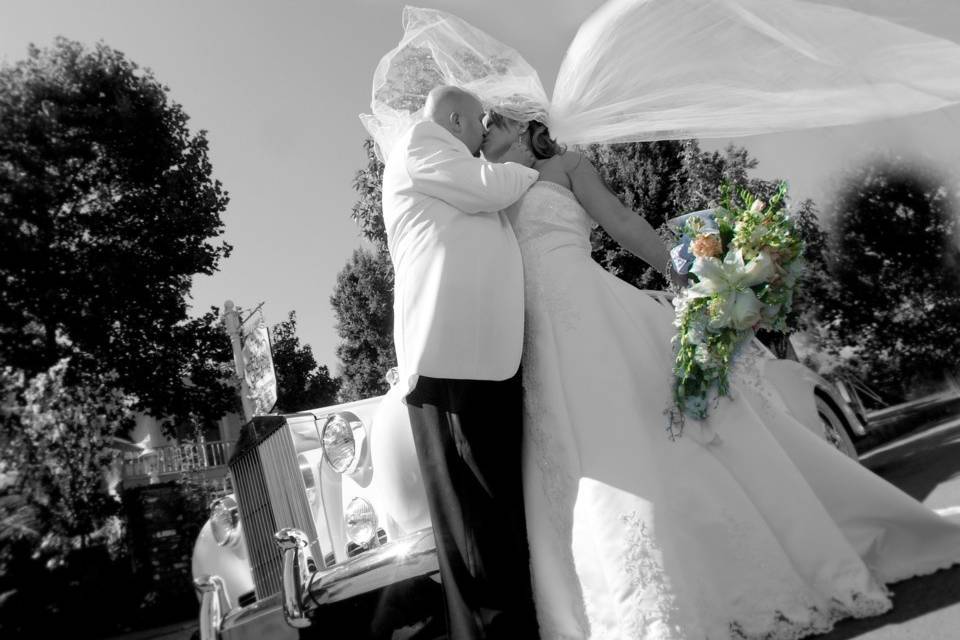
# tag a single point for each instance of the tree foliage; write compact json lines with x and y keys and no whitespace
{"x":198,"y":376}
{"x":658,"y":180}
{"x":108,"y":212}
{"x":895,"y":258}
{"x":363,"y":303}
{"x":301,"y":383}
{"x":368,"y":210}
{"x":55,"y":453}
{"x":363,"y":296}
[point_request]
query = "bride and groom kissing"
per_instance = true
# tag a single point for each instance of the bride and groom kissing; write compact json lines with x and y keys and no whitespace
{"x":629,"y":534}
{"x":560,"y":507}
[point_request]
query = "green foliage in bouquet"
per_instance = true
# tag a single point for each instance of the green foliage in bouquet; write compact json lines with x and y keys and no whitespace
{"x":747,"y":257}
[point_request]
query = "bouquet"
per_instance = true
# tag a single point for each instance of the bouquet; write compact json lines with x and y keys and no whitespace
{"x":743,"y":259}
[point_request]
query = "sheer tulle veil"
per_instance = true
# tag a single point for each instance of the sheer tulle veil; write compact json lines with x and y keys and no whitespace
{"x":641,"y":70}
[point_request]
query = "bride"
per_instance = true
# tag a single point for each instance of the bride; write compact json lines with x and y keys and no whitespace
{"x":764,"y":531}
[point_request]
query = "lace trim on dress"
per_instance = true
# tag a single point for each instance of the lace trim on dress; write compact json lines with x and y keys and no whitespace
{"x":556,"y":298}
{"x":644,"y":567}
{"x":656,"y":611}
{"x":558,"y":484}
{"x":821,"y":620}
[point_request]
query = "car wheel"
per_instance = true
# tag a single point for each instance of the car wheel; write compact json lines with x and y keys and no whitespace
{"x":835,"y":427}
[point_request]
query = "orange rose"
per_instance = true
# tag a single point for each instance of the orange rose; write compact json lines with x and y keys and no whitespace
{"x":707,"y":245}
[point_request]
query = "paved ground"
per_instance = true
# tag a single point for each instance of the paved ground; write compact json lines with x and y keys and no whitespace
{"x":180,"y":631}
{"x":926,"y":466}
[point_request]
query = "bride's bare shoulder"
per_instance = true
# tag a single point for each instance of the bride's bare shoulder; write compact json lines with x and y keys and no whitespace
{"x":577,"y":162}
{"x":562,"y":167}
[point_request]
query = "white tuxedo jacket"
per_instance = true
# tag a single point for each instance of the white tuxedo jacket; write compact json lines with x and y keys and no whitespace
{"x":458,"y":298}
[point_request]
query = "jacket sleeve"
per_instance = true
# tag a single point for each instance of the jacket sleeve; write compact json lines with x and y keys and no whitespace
{"x":442,"y":169}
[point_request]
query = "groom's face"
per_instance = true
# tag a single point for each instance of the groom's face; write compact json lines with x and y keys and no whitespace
{"x":471,"y":125}
{"x":501,"y":133}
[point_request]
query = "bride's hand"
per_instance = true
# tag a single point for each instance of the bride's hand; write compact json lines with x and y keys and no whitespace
{"x":520,"y":154}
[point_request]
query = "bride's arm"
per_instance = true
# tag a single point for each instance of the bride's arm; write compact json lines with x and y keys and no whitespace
{"x":630,"y":230}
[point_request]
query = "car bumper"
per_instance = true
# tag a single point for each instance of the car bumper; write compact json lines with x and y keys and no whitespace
{"x":398,"y":561}
{"x":412,"y":556}
{"x":262,"y":619}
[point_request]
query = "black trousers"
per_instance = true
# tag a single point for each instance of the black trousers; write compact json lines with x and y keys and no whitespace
{"x":468,"y":435}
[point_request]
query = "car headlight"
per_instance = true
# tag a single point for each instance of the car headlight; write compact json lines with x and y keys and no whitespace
{"x":361,"y":521}
{"x":225,"y":521}
{"x":342,"y":440}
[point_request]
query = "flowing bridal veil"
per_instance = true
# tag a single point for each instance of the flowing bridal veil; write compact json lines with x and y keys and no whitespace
{"x":640,"y":70}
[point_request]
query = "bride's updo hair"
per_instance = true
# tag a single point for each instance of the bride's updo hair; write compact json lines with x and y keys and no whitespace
{"x":541,"y":144}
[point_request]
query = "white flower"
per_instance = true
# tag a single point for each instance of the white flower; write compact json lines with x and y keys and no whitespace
{"x":741,"y":310}
{"x":731,"y":279}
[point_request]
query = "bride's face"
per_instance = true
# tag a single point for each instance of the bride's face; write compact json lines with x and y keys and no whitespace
{"x":501,"y":133}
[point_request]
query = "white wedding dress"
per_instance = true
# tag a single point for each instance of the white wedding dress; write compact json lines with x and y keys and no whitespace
{"x":767,"y":533}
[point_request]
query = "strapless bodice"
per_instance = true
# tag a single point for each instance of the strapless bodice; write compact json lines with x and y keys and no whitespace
{"x":549,"y":217}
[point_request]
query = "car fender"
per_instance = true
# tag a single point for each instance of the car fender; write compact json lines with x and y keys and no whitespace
{"x":396,"y":489}
{"x":229,"y":562}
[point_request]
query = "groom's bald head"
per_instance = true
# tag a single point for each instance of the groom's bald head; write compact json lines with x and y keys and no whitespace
{"x":459,"y":112}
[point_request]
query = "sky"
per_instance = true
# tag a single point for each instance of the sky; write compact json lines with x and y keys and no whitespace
{"x":278,"y":86}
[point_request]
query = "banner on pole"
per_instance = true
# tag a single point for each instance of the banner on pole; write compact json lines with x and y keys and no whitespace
{"x":258,"y":370}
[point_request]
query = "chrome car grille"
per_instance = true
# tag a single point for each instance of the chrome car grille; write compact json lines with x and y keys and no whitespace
{"x":271,"y":495}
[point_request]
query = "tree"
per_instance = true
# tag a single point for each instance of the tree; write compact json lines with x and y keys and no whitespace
{"x":894,"y":254}
{"x":368,"y":210}
{"x":198,"y":376}
{"x":109,"y":211}
{"x":301,"y":383}
{"x":54,"y":438}
{"x":363,"y":296}
{"x":816,"y":284}
{"x":363,"y":303}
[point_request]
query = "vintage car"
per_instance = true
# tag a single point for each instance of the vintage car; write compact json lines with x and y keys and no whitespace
{"x":315,"y":533}
{"x":328,"y":531}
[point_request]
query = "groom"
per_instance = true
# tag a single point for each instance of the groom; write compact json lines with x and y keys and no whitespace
{"x":458,"y":330}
